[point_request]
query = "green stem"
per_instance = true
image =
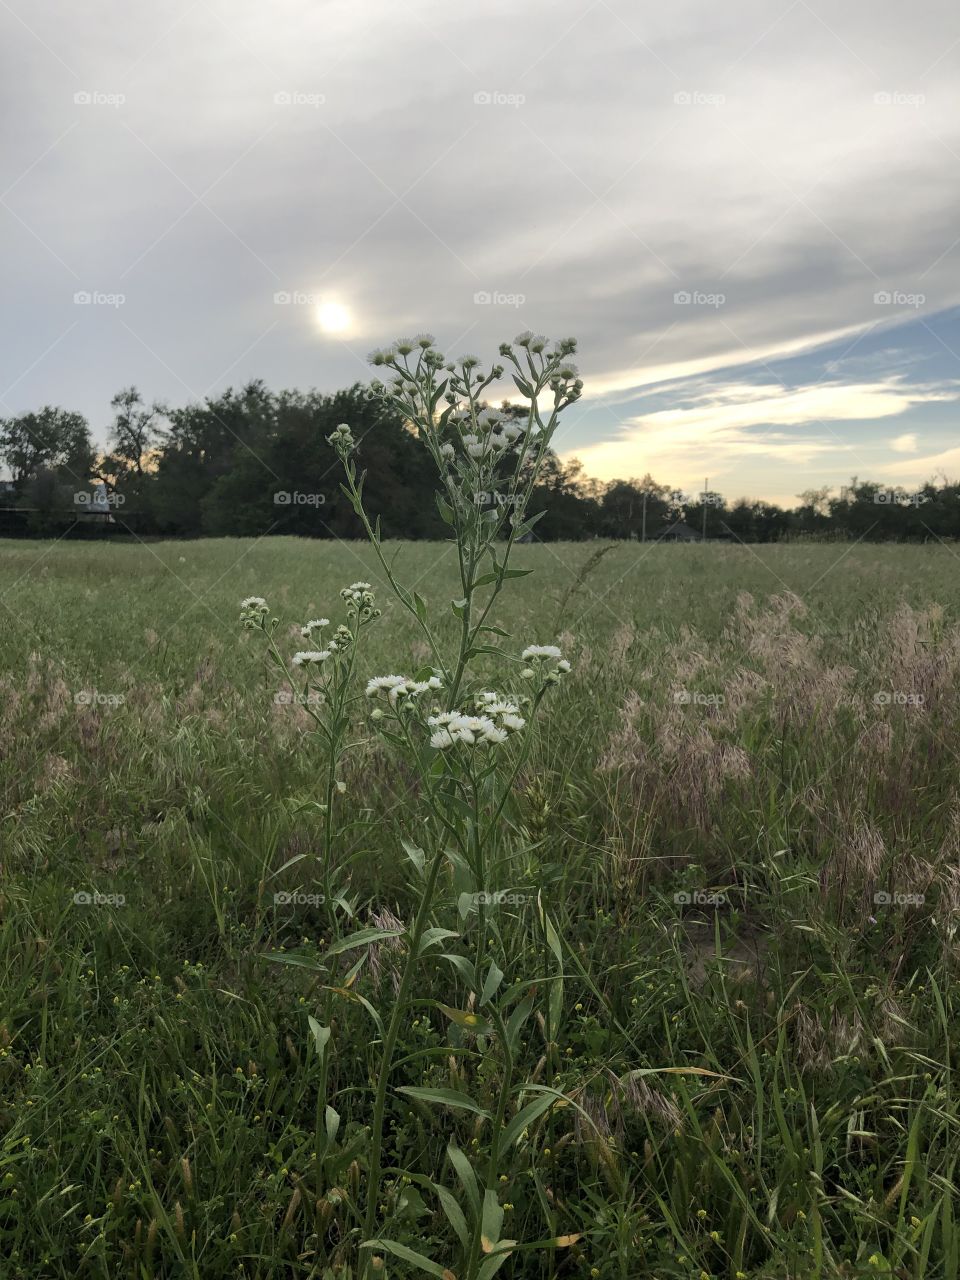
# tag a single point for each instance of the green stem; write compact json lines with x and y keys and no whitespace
{"x":389,"y":1046}
{"x":490,"y":1182}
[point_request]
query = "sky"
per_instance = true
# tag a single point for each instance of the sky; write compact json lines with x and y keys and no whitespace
{"x":746,"y":213}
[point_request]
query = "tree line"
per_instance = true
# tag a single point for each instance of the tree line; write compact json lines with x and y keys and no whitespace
{"x":252,"y":461}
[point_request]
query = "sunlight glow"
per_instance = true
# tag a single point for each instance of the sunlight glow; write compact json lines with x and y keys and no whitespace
{"x":332,"y":317}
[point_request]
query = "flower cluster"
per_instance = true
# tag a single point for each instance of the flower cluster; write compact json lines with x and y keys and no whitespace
{"x":495,"y":720}
{"x":550,"y":663}
{"x":253,"y":611}
{"x":359,"y":601}
{"x":342,"y":439}
{"x":400,"y":688}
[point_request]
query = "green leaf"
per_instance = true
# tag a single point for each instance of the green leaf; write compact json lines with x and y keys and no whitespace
{"x":516,"y":573}
{"x":332,"y":1123}
{"x":408,"y":1255}
{"x":491,"y":1266}
{"x":527,"y":1114}
{"x":493,"y":979}
{"x":491,"y":1222}
{"x":516,"y":1020}
{"x":454,"y":1213}
{"x":298,"y":962}
{"x":430,"y":936}
{"x":469,"y":1021}
{"x":446,"y":1097}
{"x":464,"y":967}
{"x":421,"y":606}
{"x":415,"y":854}
{"x":446,"y":511}
{"x":361,"y":938}
{"x":458,"y":606}
{"x":320,"y":1035}
{"x":468,"y":1179}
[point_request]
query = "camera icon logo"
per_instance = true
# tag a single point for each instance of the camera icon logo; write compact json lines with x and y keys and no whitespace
{"x":882,"y":298}
{"x":482,"y":98}
{"x":681,"y":298}
{"x":82,"y":899}
{"x":683,"y":898}
{"x":282,"y":499}
{"x":882,"y":898}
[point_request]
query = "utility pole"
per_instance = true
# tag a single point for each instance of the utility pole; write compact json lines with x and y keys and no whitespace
{"x":643,"y":534}
{"x":706,"y":489}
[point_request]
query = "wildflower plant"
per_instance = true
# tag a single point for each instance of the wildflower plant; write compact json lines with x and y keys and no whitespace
{"x":465,"y":742}
{"x":322,"y":677}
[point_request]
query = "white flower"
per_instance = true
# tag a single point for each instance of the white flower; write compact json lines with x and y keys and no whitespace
{"x":255,"y":604}
{"x":310,"y":657}
{"x":470,"y":439}
{"x":359,"y":586}
{"x":441,"y":739}
{"x":315,"y":624}
{"x":416,"y":687}
{"x":380,"y":684}
{"x":447,"y":451}
{"x":511,"y":721}
{"x":476,"y":450}
{"x":540,"y":651}
{"x":469,"y":729}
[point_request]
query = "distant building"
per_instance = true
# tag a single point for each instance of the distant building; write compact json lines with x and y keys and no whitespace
{"x":679,"y":532}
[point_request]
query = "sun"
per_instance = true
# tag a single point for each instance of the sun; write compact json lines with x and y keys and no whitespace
{"x":332,"y":317}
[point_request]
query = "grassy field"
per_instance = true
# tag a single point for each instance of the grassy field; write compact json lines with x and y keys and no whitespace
{"x":742,"y":816}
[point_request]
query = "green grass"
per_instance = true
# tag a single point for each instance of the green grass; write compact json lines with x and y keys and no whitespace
{"x":163,"y":1110}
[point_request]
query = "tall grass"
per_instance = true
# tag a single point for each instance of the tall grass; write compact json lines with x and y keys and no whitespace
{"x":718,"y":795}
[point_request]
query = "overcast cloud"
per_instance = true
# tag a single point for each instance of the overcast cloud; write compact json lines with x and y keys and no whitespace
{"x":712,"y":198}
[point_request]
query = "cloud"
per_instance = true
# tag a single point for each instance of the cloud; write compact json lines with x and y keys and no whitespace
{"x":720,"y":426}
{"x":588,"y":164}
{"x":905,"y":443}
